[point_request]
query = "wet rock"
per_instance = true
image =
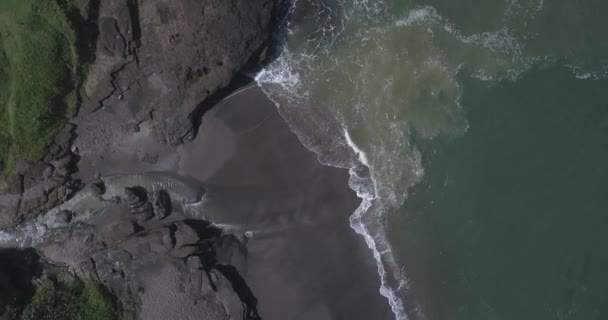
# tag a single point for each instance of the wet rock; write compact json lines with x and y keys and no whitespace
{"x":98,"y":188}
{"x":119,"y":256}
{"x":60,"y":219}
{"x":64,"y":217}
{"x":62,"y":163}
{"x":131,"y":196}
{"x":185,"y":240}
{"x":87,"y":270}
{"x":62,"y":192}
{"x":161,"y":204}
{"x":9,"y":210}
{"x":139,"y":205}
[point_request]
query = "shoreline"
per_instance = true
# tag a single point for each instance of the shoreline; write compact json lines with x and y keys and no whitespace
{"x":293,"y":213}
{"x":341,"y":152}
{"x":286,"y":237}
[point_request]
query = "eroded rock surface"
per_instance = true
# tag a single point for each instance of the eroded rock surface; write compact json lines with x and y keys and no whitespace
{"x":40,"y":186}
{"x":173,"y":268}
{"x":159,"y":59}
{"x":155,"y":62}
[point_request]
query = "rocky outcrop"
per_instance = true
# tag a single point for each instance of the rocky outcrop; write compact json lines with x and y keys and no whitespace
{"x":40,"y":186}
{"x":139,"y":206}
{"x":176,"y":268}
{"x":159,"y":59}
{"x":155,"y":60}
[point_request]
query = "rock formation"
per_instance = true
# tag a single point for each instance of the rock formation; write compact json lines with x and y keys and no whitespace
{"x":40,"y":186}
{"x":176,"y":269}
{"x":161,"y":58}
{"x":155,"y":60}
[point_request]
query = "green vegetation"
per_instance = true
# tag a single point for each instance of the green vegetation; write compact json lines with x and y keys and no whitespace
{"x":76,"y":300}
{"x":39,"y":61}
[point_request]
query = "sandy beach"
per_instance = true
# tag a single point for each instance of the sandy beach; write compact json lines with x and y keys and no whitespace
{"x":303,"y":260}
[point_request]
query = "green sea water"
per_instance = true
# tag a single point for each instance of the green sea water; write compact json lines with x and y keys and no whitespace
{"x":484,"y":128}
{"x":511,"y":218}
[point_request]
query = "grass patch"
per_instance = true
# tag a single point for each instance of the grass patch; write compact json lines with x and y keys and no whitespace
{"x":39,"y":60}
{"x":75,"y":300}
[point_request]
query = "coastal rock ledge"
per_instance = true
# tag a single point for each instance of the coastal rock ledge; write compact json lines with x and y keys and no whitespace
{"x":161,"y":58}
{"x":155,"y":61}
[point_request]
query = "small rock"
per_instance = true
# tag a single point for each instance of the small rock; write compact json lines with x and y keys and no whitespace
{"x":65,"y":216}
{"x":54,"y":149}
{"x":53,"y":197}
{"x":98,"y":188}
{"x":62,"y":192}
{"x":61,"y":220}
{"x":64,"y":136}
{"x":139,"y":205}
{"x":194,"y":264}
{"x":161,"y":204}
{"x":120,"y":256}
{"x":130,"y":196}
{"x":115,"y":200}
{"x":48,"y":172}
{"x":86,"y":269}
{"x":147,"y":158}
{"x":63,"y":172}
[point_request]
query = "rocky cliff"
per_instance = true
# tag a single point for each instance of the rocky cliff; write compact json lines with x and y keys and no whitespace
{"x":155,"y":61}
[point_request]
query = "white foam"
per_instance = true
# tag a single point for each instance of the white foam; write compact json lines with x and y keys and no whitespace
{"x":502,"y":43}
{"x":599,"y":74}
{"x":396,"y":303}
{"x":377,"y":242}
{"x":418,"y":16}
{"x":281,"y":72}
{"x":362,"y":156}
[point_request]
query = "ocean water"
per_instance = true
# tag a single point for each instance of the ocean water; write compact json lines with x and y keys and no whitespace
{"x":475,"y":133}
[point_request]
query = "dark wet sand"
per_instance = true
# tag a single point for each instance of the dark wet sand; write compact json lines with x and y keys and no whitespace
{"x":304,"y":261}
